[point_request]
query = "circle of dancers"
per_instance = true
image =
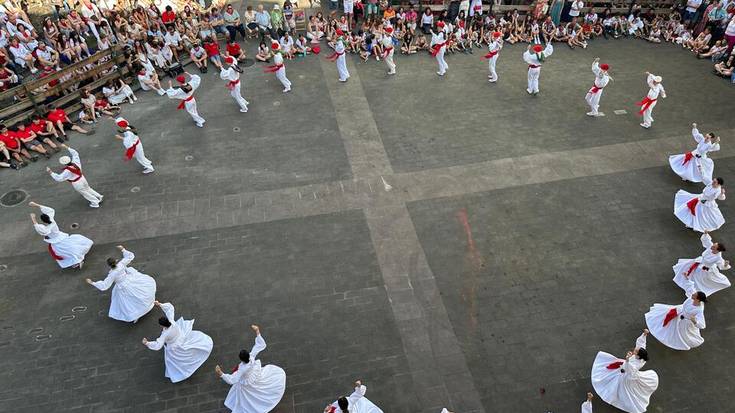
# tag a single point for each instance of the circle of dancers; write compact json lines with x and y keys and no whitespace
{"x":255,"y":388}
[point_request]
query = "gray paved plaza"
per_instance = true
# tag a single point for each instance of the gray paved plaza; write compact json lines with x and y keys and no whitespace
{"x":448,"y":241}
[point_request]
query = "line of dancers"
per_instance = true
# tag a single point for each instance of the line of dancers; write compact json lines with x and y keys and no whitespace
{"x":621,"y":382}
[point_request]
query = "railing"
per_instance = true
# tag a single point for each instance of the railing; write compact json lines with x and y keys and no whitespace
{"x":33,"y":97}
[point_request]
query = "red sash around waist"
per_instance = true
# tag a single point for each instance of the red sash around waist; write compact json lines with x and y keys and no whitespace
{"x":491,"y":54}
{"x":129,"y":152}
{"x":692,"y":205}
{"x":615,"y":365}
{"x":670,"y":316}
{"x":231,"y":84}
{"x":75,"y":170}
{"x":692,"y":268}
{"x":645,"y":104}
{"x":183,"y":102}
{"x":273,"y":68}
{"x":534,"y":66}
{"x":435,"y":49}
{"x":687,"y":157}
{"x":53,"y":253}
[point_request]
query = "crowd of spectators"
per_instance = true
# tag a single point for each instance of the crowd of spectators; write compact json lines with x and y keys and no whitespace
{"x":158,"y":37}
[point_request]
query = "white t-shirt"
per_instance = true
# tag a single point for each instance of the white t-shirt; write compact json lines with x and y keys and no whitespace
{"x":577,"y":6}
{"x":730,"y":31}
{"x":693,"y":5}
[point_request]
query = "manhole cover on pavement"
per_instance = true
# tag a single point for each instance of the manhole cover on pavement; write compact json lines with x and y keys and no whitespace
{"x":13,"y":198}
{"x":247,"y":63}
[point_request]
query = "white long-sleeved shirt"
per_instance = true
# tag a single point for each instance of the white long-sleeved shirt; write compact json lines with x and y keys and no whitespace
{"x":532,"y":59}
{"x":655,"y":88}
{"x":703,"y":146}
{"x":50,"y":232}
{"x":178,"y":93}
{"x":116,"y":274}
{"x":246,"y":372}
{"x":67,"y":175}
{"x":601,"y":78}
{"x":170,"y":335}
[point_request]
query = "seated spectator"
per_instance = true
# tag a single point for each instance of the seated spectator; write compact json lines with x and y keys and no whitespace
{"x":47,"y":56}
{"x":716,"y":52}
{"x":44,"y":129}
{"x":249,"y":20}
{"x":117,"y":91}
{"x":21,"y":55}
{"x":88,"y":100}
{"x":29,"y":141}
{"x":287,"y":46}
{"x":149,"y":80}
{"x":104,"y":43}
{"x":312,"y":30}
{"x":264,"y":53}
{"x":700,"y":42}
{"x":61,"y":121}
{"x":5,"y":157}
{"x":265,"y":26}
{"x":14,"y":147}
{"x":427,"y":21}
{"x":232,"y":23}
{"x":199,"y":56}
{"x":8,"y":78}
{"x":218,"y":22}
{"x":168,"y":17}
{"x":301,"y":46}
{"x":213,"y":53}
{"x":234,"y":50}
{"x":725,"y":69}
{"x":172,"y":38}
{"x":289,"y":19}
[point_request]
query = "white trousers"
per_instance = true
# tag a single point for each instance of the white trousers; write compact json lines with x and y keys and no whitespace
{"x":139,"y":156}
{"x":443,"y":66}
{"x":593,"y":100}
{"x":281,"y":75}
{"x":491,"y":67}
{"x":647,"y":118}
{"x":389,"y":61}
{"x":191,"y":107}
{"x":235,"y":93}
{"x":82,"y":186}
{"x":533,"y":75}
{"x":342,"y":68}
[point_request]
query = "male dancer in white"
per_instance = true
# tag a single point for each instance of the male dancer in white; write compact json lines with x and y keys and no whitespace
{"x":278,"y":67}
{"x":134,"y":292}
{"x":703,"y":273}
{"x":438,"y":47}
{"x":67,"y":250}
{"x":535,"y":55}
{"x":339,"y":56}
{"x":186,"y":94}
{"x":133,"y":145}
{"x":232,"y":76}
{"x":388,"y":50}
{"x":73,"y":173}
{"x":595,"y":93}
{"x":696,"y":166}
{"x":255,"y":389}
{"x":492,"y":56}
{"x":621,"y":382}
{"x":649,"y":102}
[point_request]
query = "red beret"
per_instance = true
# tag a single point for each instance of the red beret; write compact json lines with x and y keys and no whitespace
{"x":229,"y":60}
{"x":389,"y":29}
{"x":275,"y":46}
{"x":538,"y":48}
{"x":339,"y":32}
{"x":121,"y":122}
{"x":605,"y":66}
{"x":181,"y":79}
{"x":440,"y":24}
{"x":497,"y":34}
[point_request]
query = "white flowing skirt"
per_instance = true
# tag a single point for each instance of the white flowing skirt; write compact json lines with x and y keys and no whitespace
{"x":689,"y":171}
{"x":260,"y":396}
{"x":679,"y":334}
{"x":185,"y":357}
{"x":706,"y":217}
{"x":72,"y":249}
{"x":132,"y":298}
{"x":709,"y":282}
{"x":627,"y":393}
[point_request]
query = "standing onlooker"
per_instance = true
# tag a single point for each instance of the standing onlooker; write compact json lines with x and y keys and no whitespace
{"x":691,"y":11}
{"x":263,"y":20}
{"x":730,"y":34}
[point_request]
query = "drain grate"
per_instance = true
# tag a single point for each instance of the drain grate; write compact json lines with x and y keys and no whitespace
{"x":13,"y":198}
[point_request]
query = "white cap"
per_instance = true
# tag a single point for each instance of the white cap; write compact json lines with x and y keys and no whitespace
{"x":657,"y":79}
{"x":276,"y":7}
{"x":64,"y":160}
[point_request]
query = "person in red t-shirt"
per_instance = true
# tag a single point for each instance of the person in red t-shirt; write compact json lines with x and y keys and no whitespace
{"x":234,"y":50}
{"x":28,"y":138}
{"x":60,"y":120}
{"x":168,"y":17}
{"x":14,"y":146}
{"x":212,"y":49}
{"x":44,"y":131}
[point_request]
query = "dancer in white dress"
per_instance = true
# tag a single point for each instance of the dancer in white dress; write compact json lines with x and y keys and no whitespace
{"x":67,"y":250}
{"x":587,"y":404}
{"x":255,"y":389}
{"x":700,"y":212}
{"x":354,"y":403}
{"x":602,"y":78}
{"x":677,"y":326}
{"x":703,"y":273}
{"x":185,"y":350}
{"x":134,"y":292}
{"x":621,"y":383}
{"x":696,"y":166}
